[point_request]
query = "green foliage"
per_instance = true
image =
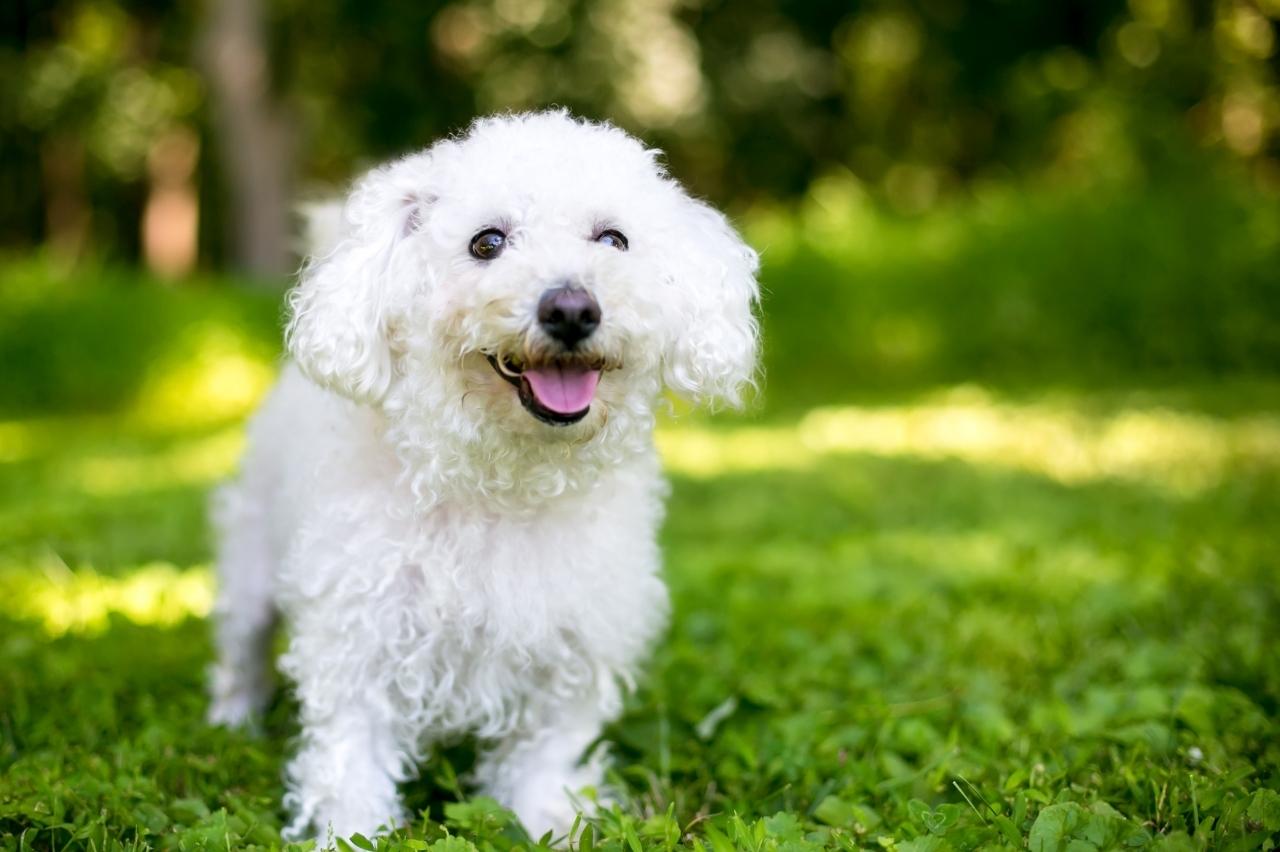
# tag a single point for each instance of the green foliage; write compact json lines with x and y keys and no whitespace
{"x":752,"y":100}
{"x":1068,"y":826}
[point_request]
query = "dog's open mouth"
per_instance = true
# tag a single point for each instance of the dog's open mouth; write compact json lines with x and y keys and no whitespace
{"x":558,"y":392}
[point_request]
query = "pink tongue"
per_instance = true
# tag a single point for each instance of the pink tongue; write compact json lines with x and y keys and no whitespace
{"x":564,"y":390}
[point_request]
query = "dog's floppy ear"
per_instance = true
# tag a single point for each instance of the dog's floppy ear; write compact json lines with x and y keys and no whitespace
{"x":354,"y":285}
{"x":713,"y":358}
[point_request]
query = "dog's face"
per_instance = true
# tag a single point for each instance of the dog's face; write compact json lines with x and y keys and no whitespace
{"x":533,"y":275}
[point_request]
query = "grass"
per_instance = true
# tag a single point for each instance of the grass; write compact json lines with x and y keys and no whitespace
{"x":1040,"y":611}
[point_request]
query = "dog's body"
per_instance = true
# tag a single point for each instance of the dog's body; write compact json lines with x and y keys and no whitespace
{"x":456,"y":544}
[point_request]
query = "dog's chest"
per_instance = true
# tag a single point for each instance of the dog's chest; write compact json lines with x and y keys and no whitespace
{"x":496,"y":621}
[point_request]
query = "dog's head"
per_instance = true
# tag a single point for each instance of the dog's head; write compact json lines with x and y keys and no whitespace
{"x":531,"y":274}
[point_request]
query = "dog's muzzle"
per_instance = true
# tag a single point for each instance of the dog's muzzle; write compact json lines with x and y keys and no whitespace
{"x":557,"y":382}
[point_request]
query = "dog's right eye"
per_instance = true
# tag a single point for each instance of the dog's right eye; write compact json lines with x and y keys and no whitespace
{"x":488,"y":244}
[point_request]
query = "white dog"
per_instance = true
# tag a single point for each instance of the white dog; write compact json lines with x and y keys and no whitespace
{"x":452,"y":497}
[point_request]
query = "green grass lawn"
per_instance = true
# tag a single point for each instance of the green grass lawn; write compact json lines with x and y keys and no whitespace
{"x":1026,"y":614}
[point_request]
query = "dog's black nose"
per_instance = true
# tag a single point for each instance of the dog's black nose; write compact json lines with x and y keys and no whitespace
{"x":568,"y":314}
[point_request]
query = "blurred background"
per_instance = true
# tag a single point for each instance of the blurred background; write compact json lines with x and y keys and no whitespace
{"x":943,"y":190}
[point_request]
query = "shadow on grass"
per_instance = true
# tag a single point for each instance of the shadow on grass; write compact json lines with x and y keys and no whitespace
{"x":90,"y":345}
{"x":110,"y":533}
{"x":1171,"y":281}
{"x":111,"y":494}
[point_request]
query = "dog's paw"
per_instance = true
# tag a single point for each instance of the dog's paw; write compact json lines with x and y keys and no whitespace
{"x":343,"y":822}
{"x":552,"y":817}
{"x":551,"y":808}
{"x":326,"y":818}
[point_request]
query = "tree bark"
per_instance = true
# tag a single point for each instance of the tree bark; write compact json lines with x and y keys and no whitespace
{"x":252,"y":136}
{"x":67,"y":212}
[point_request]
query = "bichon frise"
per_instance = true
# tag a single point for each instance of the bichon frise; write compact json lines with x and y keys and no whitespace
{"x":452,"y":495}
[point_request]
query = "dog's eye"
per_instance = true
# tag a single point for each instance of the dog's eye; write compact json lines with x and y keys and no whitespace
{"x":488,"y":244}
{"x":613,"y":239}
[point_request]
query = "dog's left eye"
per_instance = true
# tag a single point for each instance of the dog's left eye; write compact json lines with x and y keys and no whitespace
{"x":613,"y":239}
{"x":488,"y":244}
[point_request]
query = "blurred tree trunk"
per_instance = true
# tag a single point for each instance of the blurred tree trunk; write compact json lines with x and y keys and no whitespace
{"x":67,"y":212}
{"x":252,"y":135}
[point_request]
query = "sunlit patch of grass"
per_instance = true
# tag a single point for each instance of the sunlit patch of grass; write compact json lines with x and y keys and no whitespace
{"x":192,"y":462}
{"x":1181,"y":452}
{"x":984,"y":554}
{"x":18,"y":441}
{"x":63,"y":600}
{"x":221,"y":376}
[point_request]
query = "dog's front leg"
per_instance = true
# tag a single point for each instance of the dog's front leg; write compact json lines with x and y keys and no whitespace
{"x":343,"y":778}
{"x":539,"y":772}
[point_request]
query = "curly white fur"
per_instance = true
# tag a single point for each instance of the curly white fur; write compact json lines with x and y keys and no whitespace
{"x":445,"y":563}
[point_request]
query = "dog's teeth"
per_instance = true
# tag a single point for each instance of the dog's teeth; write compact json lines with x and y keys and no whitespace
{"x":506,"y":366}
